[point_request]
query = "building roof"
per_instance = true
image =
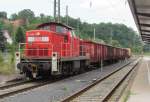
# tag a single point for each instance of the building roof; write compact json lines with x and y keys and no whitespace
{"x":141,"y":13}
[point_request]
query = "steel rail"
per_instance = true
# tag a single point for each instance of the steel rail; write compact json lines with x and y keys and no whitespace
{"x":33,"y":85}
{"x":120,"y":82}
{"x":13,"y":84}
{"x":36,"y":83}
{"x":78,"y":93}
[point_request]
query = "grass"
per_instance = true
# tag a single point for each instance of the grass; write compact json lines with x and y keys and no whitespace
{"x":147,"y":54}
{"x":7,"y":66}
{"x":140,"y":54}
{"x":64,"y":88}
{"x":127,"y":97}
{"x":129,"y":93}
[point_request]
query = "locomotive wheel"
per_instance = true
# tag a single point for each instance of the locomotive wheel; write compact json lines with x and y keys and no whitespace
{"x":29,"y":74}
{"x":45,"y":74}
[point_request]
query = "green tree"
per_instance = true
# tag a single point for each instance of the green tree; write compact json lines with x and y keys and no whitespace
{"x":42,"y":16}
{"x":120,"y":34}
{"x":2,"y":41}
{"x":14,"y":16}
{"x":3,"y":15}
{"x":19,"y":36}
{"x":2,"y":38}
{"x":115,"y":43}
{"x":26,"y":14}
{"x":1,"y":57}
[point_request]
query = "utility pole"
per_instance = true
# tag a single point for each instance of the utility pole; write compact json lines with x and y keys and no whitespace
{"x":78,"y":26}
{"x":94,"y":32}
{"x":111,"y":36}
{"x":57,"y":10}
{"x":67,"y":14}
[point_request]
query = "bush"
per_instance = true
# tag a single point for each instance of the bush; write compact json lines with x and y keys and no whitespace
{"x":7,"y":66}
{"x":1,"y":57}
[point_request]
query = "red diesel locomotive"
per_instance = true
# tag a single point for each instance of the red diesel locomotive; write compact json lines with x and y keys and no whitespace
{"x":54,"y":49}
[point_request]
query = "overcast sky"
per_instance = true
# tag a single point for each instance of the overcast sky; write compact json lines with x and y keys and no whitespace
{"x":115,"y":11}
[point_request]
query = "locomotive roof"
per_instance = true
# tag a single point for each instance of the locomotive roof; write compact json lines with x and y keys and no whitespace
{"x":55,"y":23}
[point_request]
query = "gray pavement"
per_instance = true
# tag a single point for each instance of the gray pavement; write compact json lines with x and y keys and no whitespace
{"x":140,"y":90}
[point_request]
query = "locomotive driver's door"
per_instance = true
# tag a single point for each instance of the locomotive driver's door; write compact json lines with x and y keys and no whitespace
{"x":71,"y":41}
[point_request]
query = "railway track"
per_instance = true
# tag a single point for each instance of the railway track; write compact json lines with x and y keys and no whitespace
{"x":13,"y":83}
{"x":102,"y":89}
{"x":6,"y":91}
{"x":12,"y":88}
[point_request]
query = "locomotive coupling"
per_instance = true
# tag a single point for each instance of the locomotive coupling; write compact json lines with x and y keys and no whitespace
{"x":34,"y":69}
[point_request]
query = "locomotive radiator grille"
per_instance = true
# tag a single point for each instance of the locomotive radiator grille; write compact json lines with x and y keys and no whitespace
{"x":37,"y":52}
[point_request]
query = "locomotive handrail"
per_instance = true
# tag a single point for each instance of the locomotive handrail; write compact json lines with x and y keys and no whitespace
{"x":68,"y":51}
{"x":35,"y":52}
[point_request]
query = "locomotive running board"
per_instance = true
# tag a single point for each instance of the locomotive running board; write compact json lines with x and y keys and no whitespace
{"x":75,"y":58}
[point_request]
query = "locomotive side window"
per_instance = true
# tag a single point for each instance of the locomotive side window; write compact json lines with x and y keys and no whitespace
{"x":61,"y":29}
{"x":45,"y":39}
{"x":30,"y":39}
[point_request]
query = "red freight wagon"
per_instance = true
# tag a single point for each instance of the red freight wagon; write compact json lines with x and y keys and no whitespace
{"x":94,"y":50}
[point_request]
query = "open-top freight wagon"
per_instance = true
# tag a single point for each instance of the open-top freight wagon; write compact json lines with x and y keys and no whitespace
{"x":54,"y":49}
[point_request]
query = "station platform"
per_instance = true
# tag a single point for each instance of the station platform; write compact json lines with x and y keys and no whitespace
{"x":140,"y":90}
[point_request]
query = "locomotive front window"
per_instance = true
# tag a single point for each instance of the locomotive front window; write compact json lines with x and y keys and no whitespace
{"x":61,"y":29}
{"x":45,"y":28}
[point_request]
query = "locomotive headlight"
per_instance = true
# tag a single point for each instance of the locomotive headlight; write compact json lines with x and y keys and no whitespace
{"x":17,"y":54}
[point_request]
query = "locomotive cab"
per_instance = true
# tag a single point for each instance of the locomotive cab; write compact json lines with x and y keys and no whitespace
{"x":58,"y":28}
